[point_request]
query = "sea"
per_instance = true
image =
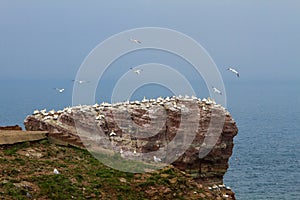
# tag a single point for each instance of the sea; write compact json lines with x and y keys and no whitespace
{"x":266,"y":158}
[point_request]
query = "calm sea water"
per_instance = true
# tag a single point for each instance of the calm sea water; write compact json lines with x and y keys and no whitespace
{"x":266,"y":159}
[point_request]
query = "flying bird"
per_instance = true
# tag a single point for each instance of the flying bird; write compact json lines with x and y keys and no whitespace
{"x":217,"y":91}
{"x":136,"y":70}
{"x":234,"y":71}
{"x":60,"y":90}
{"x":80,"y":81}
{"x":135,"y":41}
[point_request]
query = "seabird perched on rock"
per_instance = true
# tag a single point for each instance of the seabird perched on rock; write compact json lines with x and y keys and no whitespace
{"x":228,"y":188}
{"x":52,"y":112}
{"x":95,"y":105}
{"x":216,"y":90}
{"x":209,"y":101}
{"x":35,"y":112}
{"x":47,"y":117}
{"x":175,"y":104}
{"x":136,"y":41}
{"x":234,"y":71}
{"x":112,"y":133}
{"x":145,"y":100}
{"x":69,"y":110}
{"x":99,"y":117}
{"x":105,"y":104}
{"x":159,"y":99}
{"x":156,"y":159}
{"x":43,"y":111}
{"x":60,"y":90}
{"x":215,"y":187}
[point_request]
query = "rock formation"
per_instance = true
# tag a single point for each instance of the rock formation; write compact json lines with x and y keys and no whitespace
{"x":148,"y":126}
{"x":11,"y":128}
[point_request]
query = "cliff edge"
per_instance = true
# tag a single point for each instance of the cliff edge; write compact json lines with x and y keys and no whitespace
{"x":163,"y":116}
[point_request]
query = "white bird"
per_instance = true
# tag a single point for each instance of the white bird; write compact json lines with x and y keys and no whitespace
{"x":234,"y":71}
{"x":112,"y":133}
{"x":215,"y":187}
{"x":47,"y":118}
{"x":28,"y":195}
{"x":43,"y":111}
{"x":80,"y":81}
{"x":99,"y":117}
{"x":135,"y":41}
{"x":145,"y":100}
{"x":55,"y":171}
{"x":60,"y":90}
{"x":136,"y":70}
{"x":217,"y":91}
{"x":35,"y":112}
{"x":156,"y":159}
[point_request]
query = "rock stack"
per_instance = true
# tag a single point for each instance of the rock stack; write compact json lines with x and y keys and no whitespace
{"x":140,"y":127}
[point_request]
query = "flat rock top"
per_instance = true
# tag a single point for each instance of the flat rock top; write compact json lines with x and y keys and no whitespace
{"x":15,"y":136}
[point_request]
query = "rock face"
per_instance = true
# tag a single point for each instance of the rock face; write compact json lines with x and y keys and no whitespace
{"x":148,"y":126}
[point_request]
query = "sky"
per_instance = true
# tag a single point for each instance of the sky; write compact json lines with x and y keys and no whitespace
{"x":51,"y":39}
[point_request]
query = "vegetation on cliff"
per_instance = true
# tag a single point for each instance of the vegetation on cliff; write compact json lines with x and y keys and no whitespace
{"x":26,"y":171}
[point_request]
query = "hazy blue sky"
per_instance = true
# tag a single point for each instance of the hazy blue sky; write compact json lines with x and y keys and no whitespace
{"x":50,"y":39}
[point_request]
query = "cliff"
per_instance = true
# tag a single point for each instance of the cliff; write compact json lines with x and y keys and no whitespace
{"x":139,"y":128}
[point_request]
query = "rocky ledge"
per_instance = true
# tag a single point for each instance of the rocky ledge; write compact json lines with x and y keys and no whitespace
{"x":11,"y":128}
{"x":141,"y":127}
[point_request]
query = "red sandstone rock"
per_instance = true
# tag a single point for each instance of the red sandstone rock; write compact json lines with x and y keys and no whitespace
{"x":124,"y":118}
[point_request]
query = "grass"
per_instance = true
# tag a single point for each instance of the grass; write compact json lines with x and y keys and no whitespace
{"x":15,"y":148}
{"x":84,"y":177}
